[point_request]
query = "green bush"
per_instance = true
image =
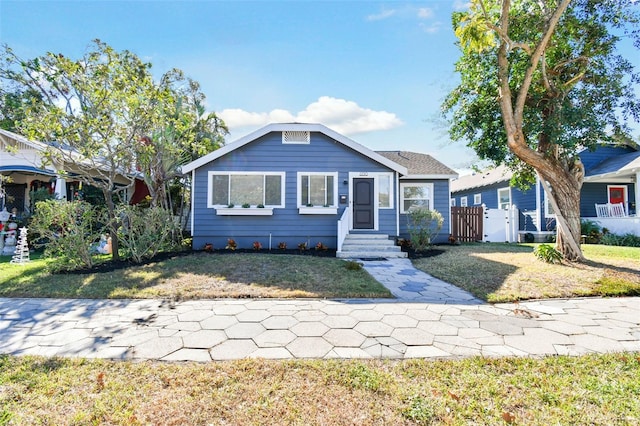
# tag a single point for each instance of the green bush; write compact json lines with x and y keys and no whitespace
{"x":592,"y":231}
{"x":547,"y":253}
{"x":627,"y":240}
{"x":423,"y":225}
{"x":146,"y":232}
{"x":67,"y":230}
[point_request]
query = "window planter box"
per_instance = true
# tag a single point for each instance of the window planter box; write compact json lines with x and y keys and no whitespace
{"x":318,"y":210}
{"x":241,"y":211}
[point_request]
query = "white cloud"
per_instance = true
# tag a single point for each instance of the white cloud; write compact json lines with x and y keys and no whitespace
{"x":460,"y":5}
{"x":382,"y":15}
{"x":431,"y":28}
{"x":425,"y":13}
{"x":343,"y":116}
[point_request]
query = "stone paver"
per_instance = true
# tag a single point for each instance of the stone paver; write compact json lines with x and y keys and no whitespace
{"x":428,"y":319}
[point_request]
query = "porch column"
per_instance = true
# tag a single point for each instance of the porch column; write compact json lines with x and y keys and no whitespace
{"x":636,"y":185}
{"x":61,"y":188}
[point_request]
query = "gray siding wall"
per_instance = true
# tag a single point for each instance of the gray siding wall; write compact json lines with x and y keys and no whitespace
{"x":441,"y":197}
{"x":286,"y":225}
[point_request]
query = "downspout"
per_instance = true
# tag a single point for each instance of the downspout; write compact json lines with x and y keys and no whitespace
{"x":538,"y":206}
{"x":636,"y":185}
{"x":397,"y":202}
{"x":193,"y":181}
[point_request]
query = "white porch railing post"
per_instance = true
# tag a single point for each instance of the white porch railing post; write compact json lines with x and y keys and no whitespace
{"x":343,"y":227}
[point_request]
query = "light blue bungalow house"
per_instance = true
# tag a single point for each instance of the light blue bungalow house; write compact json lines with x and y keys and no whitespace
{"x":611,"y":178}
{"x":305,"y":183}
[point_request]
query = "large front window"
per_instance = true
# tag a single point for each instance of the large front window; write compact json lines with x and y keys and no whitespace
{"x":416,"y":195}
{"x":241,"y":188}
{"x":317,"y":189}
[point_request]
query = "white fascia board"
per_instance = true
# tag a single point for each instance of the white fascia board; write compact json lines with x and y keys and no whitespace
{"x":40,"y":146}
{"x":612,"y":175}
{"x":422,"y":177}
{"x":302,"y":127}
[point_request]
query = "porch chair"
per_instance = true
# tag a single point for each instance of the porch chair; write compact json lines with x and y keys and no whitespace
{"x":610,"y":210}
{"x":602,"y":210}
{"x":617,"y":210}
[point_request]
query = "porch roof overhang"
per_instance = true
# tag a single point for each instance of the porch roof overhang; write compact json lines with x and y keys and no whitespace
{"x":27,"y":169}
{"x":281,"y":127}
{"x":620,"y":176}
{"x":428,"y":177}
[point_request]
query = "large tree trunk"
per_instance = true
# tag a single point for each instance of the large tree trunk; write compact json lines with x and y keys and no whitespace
{"x":564,"y":194}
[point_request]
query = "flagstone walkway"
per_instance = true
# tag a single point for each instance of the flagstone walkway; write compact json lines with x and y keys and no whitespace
{"x":429,"y":319}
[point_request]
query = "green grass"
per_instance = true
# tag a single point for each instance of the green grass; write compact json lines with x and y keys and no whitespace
{"x":509,"y":272}
{"x":198,"y":275}
{"x":592,"y":389}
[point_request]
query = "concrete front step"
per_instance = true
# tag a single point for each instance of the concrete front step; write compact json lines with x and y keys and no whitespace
{"x":358,"y":246}
{"x":370,"y":254}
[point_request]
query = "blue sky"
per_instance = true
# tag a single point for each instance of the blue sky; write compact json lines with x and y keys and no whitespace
{"x":374,"y":71}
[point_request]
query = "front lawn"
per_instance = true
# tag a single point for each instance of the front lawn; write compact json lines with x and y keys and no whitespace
{"x":508,"y":272}
{"x":198,"y":275}
{"x":591,"y":389}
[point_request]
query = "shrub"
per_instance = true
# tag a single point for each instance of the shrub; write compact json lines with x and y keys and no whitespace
{"x":302,"y":246}
{"x":547,"y":253}
{"x":321,"y":246}
{"x":231,"y":244}
{"x":146,"y":232}
{"x":67,"y":230}
{"x":627,"y":240}
{"x":423,"y":225}
{"x":282,"y":245}
{"x":257,"y":245}
{"x":592,"y":231}
{"x":352,"y":265}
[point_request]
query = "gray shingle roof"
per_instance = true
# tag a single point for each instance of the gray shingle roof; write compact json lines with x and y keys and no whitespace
{"x":418,"y":164}
{"x":476,"y":180}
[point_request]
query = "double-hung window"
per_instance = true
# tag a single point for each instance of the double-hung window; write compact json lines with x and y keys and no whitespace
{"x":416,"y":195}
{"x":317,"y":189}
{"x":242,"y":188}
{"x":504,"y":198}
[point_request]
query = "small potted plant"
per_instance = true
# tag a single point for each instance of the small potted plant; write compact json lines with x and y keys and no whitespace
{"x":257,"y":246}
{"x":246,"y":205}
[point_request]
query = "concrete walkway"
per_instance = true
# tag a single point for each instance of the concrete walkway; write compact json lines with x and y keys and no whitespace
{"x":431,"y":319}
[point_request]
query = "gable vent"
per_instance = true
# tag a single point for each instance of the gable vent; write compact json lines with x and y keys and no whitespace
{"x":296,"y":137}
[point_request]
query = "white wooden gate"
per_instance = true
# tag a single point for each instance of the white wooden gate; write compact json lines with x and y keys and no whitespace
{"x":501,"y":225}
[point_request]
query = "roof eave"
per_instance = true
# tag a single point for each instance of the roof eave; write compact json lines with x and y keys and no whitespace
{"x":432,"y":176}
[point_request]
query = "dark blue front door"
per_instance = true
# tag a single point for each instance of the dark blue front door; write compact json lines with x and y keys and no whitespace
{"x":363,"y":208}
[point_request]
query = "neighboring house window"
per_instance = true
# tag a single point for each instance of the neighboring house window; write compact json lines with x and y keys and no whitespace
{"x":453,"y":202}
{"x":463,"y":201}
{"x":477,"y":199}
{"x":416,"y":195}
{"x":317,"y":189}
{"x":548,"y":208}
{"x":385,"y":193}
{"x":504,"y":198}
{"x":252,"y":188}
{"x":296,"y":137}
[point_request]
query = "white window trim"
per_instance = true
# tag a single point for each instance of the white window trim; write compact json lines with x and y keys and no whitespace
{"x":429,"y":185}
{"x":477,"y":199}
{"x":210,"y":175}
{"x":376,"y":188}
{"x":452,"y":202}
{"x":547,"y":204}
{"x":508,"y":188}
{"x":303,"y":209}
{"x":463,"y":202}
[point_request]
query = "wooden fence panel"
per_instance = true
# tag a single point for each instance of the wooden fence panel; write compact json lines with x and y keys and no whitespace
{"x":466,"y":223}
